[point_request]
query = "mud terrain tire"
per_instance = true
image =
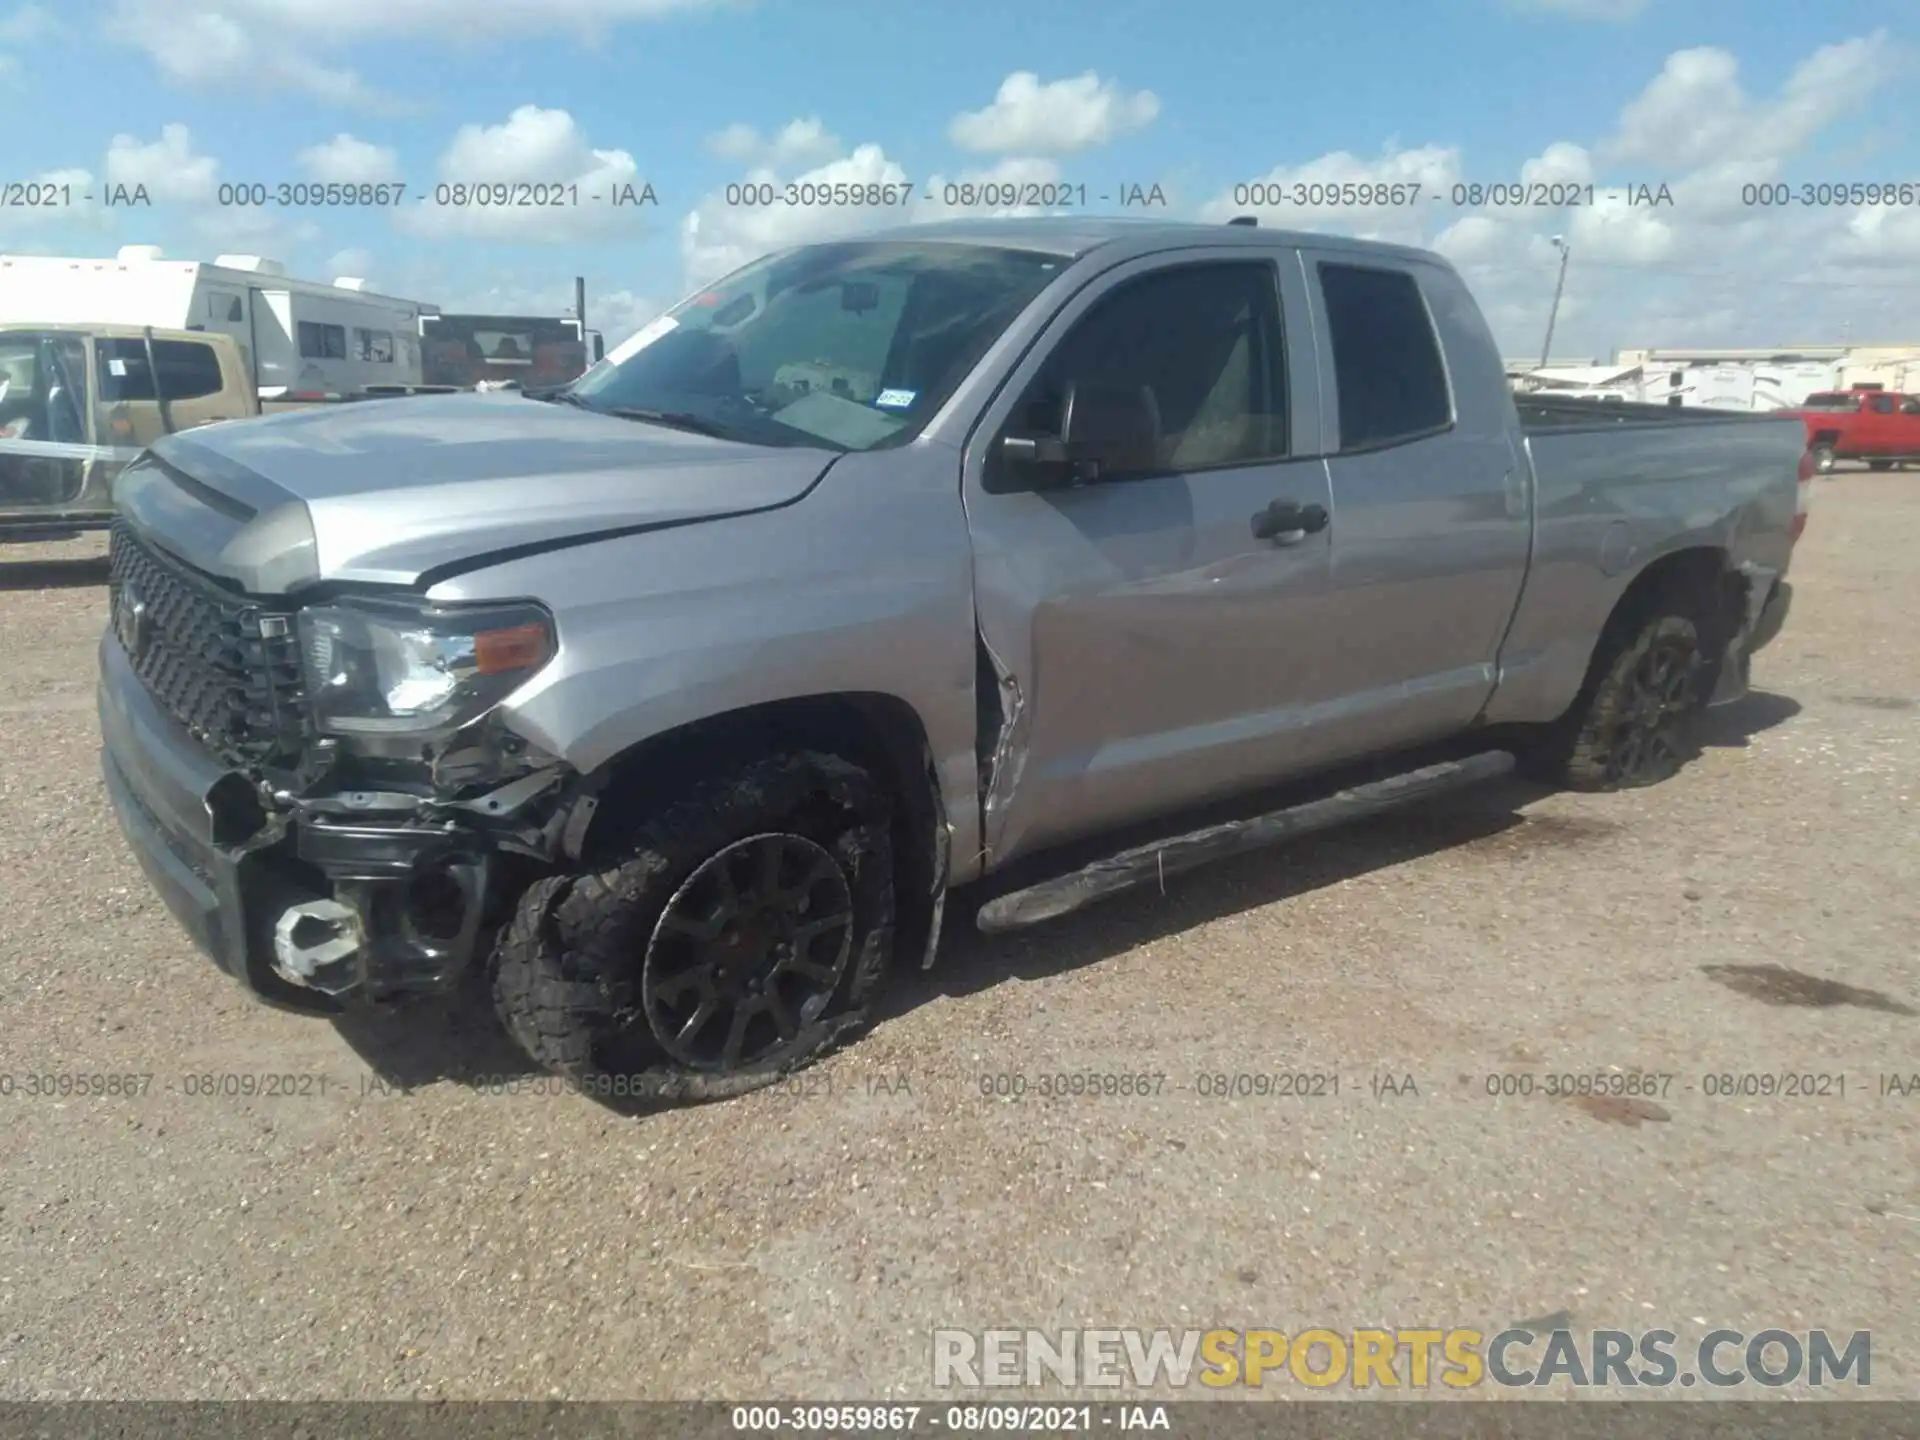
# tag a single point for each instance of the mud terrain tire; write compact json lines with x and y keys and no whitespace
{"x":571,"y":971}
{"x":1632,"y":725}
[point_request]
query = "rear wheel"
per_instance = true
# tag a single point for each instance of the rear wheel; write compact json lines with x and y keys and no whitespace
{"x":1631,"y":726}
{"x":1822,"y":459}
{"x":733,"y":938}
{"x":1879,"y":464}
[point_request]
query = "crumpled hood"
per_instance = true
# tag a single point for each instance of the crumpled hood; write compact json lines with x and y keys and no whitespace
{"x":387,"y":491}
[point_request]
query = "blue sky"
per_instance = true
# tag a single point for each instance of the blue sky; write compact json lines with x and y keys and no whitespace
{"x":185,"y":95}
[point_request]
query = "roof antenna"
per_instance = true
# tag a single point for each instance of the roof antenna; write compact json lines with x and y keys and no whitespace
{"x":1244,"y":220}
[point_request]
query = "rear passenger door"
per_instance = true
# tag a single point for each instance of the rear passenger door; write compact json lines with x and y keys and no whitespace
{"x":1431,"y":525}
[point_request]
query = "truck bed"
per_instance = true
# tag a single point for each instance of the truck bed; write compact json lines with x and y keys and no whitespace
{"x":1568,"y":412}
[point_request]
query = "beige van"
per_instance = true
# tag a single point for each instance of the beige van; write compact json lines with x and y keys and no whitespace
{"x":77,"y":402}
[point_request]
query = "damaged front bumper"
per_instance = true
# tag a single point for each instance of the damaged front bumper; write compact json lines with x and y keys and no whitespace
{"x":309,"y":904}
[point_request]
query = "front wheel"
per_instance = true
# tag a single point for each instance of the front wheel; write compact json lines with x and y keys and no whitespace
{"x":733,"y":938}
{"x":1822,"y":459}
{"x":1630,"y":727}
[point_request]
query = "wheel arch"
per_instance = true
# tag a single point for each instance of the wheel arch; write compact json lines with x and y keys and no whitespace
{"x":1702,"y":580}
{"x":881,"y":733}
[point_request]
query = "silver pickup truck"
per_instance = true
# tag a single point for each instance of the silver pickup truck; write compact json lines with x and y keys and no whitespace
{"x":1013,"y":560}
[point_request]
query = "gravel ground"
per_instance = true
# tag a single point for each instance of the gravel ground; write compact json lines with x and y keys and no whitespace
{"x":413,"y":1232}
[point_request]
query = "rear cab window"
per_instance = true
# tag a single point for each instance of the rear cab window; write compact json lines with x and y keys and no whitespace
{"x":1389,"y":371}
{"x":188,"y":370}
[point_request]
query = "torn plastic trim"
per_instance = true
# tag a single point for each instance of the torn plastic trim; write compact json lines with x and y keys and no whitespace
{"x":1158,"y":859}
{"x":1736,"y":661}
{"x":942,"y":843}
{"x":1005,"y":761}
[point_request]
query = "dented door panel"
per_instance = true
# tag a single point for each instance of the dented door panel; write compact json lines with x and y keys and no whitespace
{"x":1140,"y":648}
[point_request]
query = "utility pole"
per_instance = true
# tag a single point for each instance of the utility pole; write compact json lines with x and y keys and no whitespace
{"x":1566,"y":251}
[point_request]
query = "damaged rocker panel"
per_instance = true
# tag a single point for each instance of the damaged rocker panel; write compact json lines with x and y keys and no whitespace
{"x":1105,"y":878}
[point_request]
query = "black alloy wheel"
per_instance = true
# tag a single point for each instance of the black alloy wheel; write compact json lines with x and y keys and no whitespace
{"x":749,"y":951}
{"x":1659,"y":694}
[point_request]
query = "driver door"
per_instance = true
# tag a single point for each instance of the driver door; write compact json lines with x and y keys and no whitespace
{"x":1149,"y":644}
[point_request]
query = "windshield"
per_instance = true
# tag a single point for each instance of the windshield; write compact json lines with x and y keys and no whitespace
{"x":1831,"y":402}
{"x":852,"y":346}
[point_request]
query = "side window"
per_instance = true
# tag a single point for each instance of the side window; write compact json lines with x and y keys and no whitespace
{"x":1911,"y":407}
{"x":42,"y":387}
{"x":1883,"y":404}
{"x":322,"y":342}
{"x":1386,"y":358}
{"x":188,"y":371}
{"x":1188,"y":362}
{"x":375,"y":346}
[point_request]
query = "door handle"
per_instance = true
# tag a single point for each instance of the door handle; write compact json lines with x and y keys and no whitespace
{"x":1287,"y":522}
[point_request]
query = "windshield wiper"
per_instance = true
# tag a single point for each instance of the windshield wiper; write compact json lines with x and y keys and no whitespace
{"x":564,"y":394}
{"x":672,"y":419}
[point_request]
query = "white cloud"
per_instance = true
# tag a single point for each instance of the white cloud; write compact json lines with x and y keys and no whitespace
{"x":571,"y":189}
{"x":1617,"y":11}
{"x":73,"y":185}
{"x":200,"y":44}
{"x":1311,"y":196}
{"x":237,"y":230}
{"x":1012,"y":180}
{"x":1882,"y":237}
{"x":1058,"y":118}
{"x":805,"y":141}
{"x":1560,"y":163}
{"x":1472,"y":240}
{"x":1709,"y":267}
{"x":168,"y":167}
{"x":1695,"y":112}
{"x":279,"y":44}
{"x":717,"y":237}
{"x":347,"y":161}
{"x":352,"y":261}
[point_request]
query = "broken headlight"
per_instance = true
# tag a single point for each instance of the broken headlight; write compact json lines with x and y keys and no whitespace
{"x":388,"y":667}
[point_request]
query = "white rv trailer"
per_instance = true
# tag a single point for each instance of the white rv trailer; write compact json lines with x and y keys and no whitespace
{"x":1736,"y":379}
{"x":300,"y":339}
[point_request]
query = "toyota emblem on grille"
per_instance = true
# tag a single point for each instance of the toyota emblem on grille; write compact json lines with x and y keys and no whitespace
{"x":131,"y":622}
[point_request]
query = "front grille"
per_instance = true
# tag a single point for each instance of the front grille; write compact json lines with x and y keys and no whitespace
{"x":225,"y":666}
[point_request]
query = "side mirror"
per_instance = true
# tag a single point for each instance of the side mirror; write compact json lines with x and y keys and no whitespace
{"x":599,"y":348}
{"x":1104,"y":432}
{"x":1033,"y":450}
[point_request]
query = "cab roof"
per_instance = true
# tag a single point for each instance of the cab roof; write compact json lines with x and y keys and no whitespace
{"x":1072,"y":236}
{"x":112,"y":332}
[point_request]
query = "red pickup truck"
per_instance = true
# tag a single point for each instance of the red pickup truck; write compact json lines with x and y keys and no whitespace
{"x":1880,"y":427}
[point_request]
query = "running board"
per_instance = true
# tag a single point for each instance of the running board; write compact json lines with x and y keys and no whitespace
{"x":1105,"y":878}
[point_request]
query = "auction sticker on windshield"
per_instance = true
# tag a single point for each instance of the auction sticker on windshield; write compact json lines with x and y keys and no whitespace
{"x":641,"y":338}
{"x":895,"y":399}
